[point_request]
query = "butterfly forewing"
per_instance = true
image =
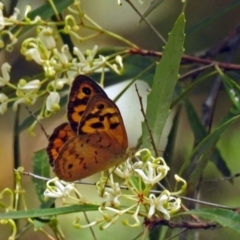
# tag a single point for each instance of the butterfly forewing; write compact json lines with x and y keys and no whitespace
{"x":103,"y":115}
{"x":82,"y":90}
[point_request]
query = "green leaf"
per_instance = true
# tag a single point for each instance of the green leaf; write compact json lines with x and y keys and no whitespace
{"x":201,"y":154}
{"x":46,"y":10}
{"x":225,"y":218}
{"x":48,"y":211}
{"x":169,"y":150}
{"x":41,"y":168}
{"x":200,"y":133}
{"x":209,"y":141}
{"x":220,"y":163}
{"x":232,"y":88}
{"x":165,"y":78}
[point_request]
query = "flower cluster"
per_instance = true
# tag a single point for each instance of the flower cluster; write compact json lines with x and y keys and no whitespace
{"x":58,"y":63}
{"x":140,"y":176}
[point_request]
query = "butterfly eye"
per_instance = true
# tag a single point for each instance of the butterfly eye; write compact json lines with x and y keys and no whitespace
{"x":87,"y":90}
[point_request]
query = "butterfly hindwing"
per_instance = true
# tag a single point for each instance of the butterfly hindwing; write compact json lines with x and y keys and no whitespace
{"x":85,"y":156}
{"x":59,"y":137}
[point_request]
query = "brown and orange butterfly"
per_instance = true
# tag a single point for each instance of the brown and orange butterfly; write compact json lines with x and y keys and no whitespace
{"x":94,"y":138}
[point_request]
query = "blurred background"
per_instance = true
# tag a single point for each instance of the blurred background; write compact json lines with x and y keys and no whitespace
{"x":124,"y":21}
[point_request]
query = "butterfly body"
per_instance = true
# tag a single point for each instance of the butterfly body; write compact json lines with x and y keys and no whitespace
{"x":95,"y":138}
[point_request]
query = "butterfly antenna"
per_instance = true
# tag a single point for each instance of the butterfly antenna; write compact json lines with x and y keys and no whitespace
{"x":146,"y":121}
{"x":40,"y":124}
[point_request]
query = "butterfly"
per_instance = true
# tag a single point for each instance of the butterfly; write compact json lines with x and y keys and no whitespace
{"x":94,"y":138}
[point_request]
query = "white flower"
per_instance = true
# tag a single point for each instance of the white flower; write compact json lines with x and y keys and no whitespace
{"x":119,"y":2}
{"x":49,"y":70}
{"x":29,"y":86}
{"x":34,"y":54}
{"x":2,"y":20}
{"x":4,"y":102}
{"x":27,"y":10}
{"x":112,"y":194}
{"x":86,"y":63}
{"x":29,"y":99}
{"x":5,"y":74}
{"x":164,"y":203}
{"x":60,"y":190}
{"x":26,"y":92}
{"x":59,"y":83}
{"x":3,"y":107}
{"x":91,"y":54}
{"x":52,"y":102}
{"x":150,"y":169}
{"x":61,"y":56}
{"x":183,"y":188}
{"x":125,"y":170}
{"x":15,"y":14}
{"x":152,"y":173}
{"x":118,"y":60}
{"x":3,"y":98}
{"x":79,"y":54}
{"x":46,"y":37}
{"x":117,"y":213}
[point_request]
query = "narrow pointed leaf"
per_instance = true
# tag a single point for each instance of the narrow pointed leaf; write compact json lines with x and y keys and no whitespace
{"x":232,"y":88}
{"x":48,"y":211}
{"x":165,"y":78}
{"x":200,"y":133}
{"x":208,"y":143}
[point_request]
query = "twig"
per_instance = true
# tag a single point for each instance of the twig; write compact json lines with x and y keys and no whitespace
{"x":146,"y":121}
{"x":40,"y":124}
{"x":195,"y":71}
{"x":152,"y":223}
{"x":146,"y":21}
{"x":126,"y":188}
{"x":187,"y":59}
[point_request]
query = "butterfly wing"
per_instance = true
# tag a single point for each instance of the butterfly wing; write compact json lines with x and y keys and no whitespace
{"x":103,"y":116}
{"x":95,"y":138}
{"x":59,"y":137}
{"x":82,"y":90}
{"x":101,"y":142}
{"x":84,"y":156}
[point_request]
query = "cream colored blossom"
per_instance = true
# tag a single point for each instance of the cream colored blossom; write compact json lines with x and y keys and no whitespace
{"x":52,"y":103}
{"x":60,"y":189}
{"x":3,"y":103}
{"x":46,"y":37}
{"x":5,"y":74}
